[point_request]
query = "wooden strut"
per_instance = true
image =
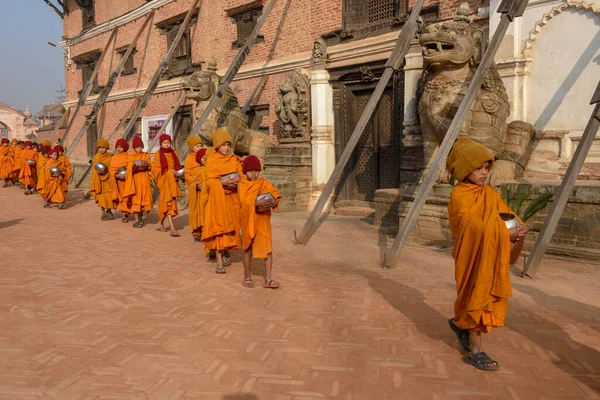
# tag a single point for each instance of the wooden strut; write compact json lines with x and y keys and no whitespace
{"x":109,"y":85}
{"x":61,"y":14}
{"x":60,"y":121}
{"x":179,"y":103}
{"x":89,"y":85}
{"x":509,"y":9}
{"x":232,"y":71}
{"x":565,"y":190}
{"x":393,"y":64}
{"x":121,"y":123}
{"x":161,"y":68}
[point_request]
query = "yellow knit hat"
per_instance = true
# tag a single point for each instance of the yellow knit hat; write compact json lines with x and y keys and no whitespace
{"x":47,"y":143}
{"x":103,"y":143}
{"x":14,"y":140}
{"x":192,"y":141}
{"x":220,"y":137}
{"x":466,"y":156}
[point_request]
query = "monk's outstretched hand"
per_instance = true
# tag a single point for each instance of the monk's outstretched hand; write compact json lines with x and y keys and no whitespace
{"x":518,"y":233}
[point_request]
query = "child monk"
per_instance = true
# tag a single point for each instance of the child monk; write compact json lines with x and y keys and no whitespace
{"x":53,"y":183}
{"x":138,"y":192}
{"x":164,"y":168}
{"x":195,"y":145}
{"x":483,"y":250}
{"x":195,"y":183}
{"x":67,"y":165}
{"x":118,"y":161}
{"x":221,"y":230}
{"x":101,"y":185}
{"x":7,"y":162}
{"x":27,"y":172}
{"x":255,"y":218}
{"x":16,"y":149}
{"x":42,"y":158}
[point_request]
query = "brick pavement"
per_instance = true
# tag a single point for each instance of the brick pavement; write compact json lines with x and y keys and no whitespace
{"x":99,"y":310}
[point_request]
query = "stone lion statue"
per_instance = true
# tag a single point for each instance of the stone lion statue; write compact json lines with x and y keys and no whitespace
{"x":451,"y":53}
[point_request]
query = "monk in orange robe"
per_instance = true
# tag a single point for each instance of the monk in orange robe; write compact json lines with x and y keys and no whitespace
{"x":101,"y":184}
{"x":190,"y":166}
{"x":67,"y":165}
{"x":53,"y":183}
{"x":16,"y":148}
{"x":255,"y":218}
{"x":195,"y":183}
{"x":118,"y":161}
{"x":42,"y":158}
{"x":138,"y":191}
{"x":166,"y":164}
{"x":483,"y":250}
{"x":7,"y":162}
{"x":221,"y":230}
{"x":28,"y":172}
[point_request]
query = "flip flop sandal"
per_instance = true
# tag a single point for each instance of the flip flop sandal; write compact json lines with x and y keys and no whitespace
{"x":220,"y":270}
{"x":247,"y":283}
{"x":481,"y":361}
{"x":104,"y":218}
{"x":46,"y":205}
{"x":174,"y":234}
{"x":271,"y":284}
{"x":162,"y":229}
{"x":462,"y":335}
{"x":125,"y":220}
{"x":212,"y":255}
{"x":110,"y":216}
{"x":137,"y":225}
{"x":62,"y":207}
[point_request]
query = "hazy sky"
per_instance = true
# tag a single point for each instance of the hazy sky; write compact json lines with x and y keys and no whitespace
{"x":30,"y":70}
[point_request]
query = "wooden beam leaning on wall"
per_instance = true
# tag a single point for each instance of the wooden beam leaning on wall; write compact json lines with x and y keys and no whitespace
{"x":61,"y":14}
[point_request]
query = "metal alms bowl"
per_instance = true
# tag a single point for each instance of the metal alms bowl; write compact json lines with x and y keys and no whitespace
{"x":510,"y":220}
{"x":141,"y":165}
{"x":31,"y":162}
{"x":55,"y":171}
{"x":121,"y":173}
{"x":180,"y":173}
{"x":264,"y":196}
{"x":101,"y":169}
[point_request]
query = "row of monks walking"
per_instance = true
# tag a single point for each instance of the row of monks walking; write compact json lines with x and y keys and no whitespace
{"x":229,"y":203}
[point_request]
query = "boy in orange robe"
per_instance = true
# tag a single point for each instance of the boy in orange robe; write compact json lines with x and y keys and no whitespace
{"x":190,"y":165}
{"x":53,"y":184}
{"x":221,"y":230}
{"x":195,"y":184}
{"x":7,"y":162}
{"x":256,"y":224}
{"x":101,"y":185}
{"x":42,"y":159}
{"x":67,"y":166}
{"x":118,"y":161}
{"x":164,"y":168}
{"x":138,"y":191}
{"x":483,"y":250}
{"x":27,"y":172}
{"x":16,"y":149}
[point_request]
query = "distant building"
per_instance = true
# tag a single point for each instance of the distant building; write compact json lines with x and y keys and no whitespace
{"x":50,"y":113}
{"x":16,"y":124}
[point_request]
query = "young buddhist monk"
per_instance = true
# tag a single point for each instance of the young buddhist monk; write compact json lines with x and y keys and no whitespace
{"x":27,"y":172}
{"x":42,"y":159}
{"x":255,"y":217}
{"x":16,"y":150}
{"x":166,"y":164}
{"x":101,"y":184}
{"x":118,"y":161}
{"x":138,"y":191}
{"x":195,"y":183}
{"x":53,"y":182}
{"x":62,"y":157}
{"x":483,"y":250}
{"x":221,"y":230}
{"x":7,"y":162}
{"x":195,"y":145}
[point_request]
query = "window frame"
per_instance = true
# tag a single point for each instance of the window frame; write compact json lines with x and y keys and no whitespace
{"x":129,"y":66}
{"x":238,"y":16}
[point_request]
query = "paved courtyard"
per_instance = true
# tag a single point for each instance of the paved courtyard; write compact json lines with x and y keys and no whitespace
{"x":99,"y":310}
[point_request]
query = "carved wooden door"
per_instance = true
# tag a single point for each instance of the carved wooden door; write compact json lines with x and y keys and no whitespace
{"x":182,"y":127}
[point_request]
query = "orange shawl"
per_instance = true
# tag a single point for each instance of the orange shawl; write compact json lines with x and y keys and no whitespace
{"x":41,"y":165}
{"x":16,"y":163}
{"x":482,"y":257}
{"x":198,"y":177}
{"x":167,"y":184}
{"x":53,"y":186}
{"x":118,"y":161}
{"x":101,"y":186}
{"x":27,"y":174}
{"x":67,"y":171}
{"x":137,"y":186}
{"x":256,"y":227}
{"x":7,"y":161}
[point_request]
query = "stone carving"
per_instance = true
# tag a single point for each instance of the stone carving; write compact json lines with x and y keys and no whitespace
{"x":366,"y":74}
{"x":200,"y":87}
{"x":293,"y":108}
{"x":451,"y":53}
{"x":319,"y":53}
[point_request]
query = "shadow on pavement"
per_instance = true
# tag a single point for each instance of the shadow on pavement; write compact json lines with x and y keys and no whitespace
{"x":249,"y":396}
{"x":12,"y":222}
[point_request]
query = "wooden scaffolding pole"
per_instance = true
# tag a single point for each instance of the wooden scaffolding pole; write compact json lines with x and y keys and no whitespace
{"x":393,"y":64}
{"x":89,"y":85}
{"x":565,"y":190}
{"x":509,"y":9}
{"x":161,"y":68}
{"x":60,"y":121}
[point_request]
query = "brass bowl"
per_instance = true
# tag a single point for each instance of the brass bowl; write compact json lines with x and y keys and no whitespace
{"x":510,"y":220}
{"x":31,"y":162}
{"x":180,"y":173}
{"x":121,"y":173}
{"x":141,"y":165}
{"x":101,"y":169}
{"x":55,"y":171}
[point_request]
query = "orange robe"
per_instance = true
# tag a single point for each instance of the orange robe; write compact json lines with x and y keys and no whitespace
{"x":68,"y":172}
{"x":482,"y":257}
{"x":256,"y":226}
{"x":17,"y":163}
{"x":101,"y":186}
{"x":28,"y":174}
{"x":138,"y":191}
{"x":168,"y":186}
{"x":191,"y":166}
{"x":221,"y":230}
{"x":118,"y":186}
{"x":7,"y":162}
{"x":53,"y":186}
{"x":198,"y":177}
{"x":41,"y":165}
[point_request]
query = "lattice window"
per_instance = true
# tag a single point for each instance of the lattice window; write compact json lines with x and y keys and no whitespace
{"x":245,"y":22}
{"x":88,"y":13}
{"x":129,"y":67}
{"x":87,"y":64}
{"x":256,"y":115}
{"x":381,"y":10}
{"x":181,"y":62}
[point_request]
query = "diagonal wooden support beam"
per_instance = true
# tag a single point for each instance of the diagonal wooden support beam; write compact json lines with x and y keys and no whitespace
{"x":393,"y":64}
{"x":109,"y":85}
{"x":565,"y":190}
{"x":56,"y":10}
{"x":510,"y":9}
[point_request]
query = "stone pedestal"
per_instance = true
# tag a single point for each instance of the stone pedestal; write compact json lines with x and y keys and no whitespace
{"x":289,"y":170}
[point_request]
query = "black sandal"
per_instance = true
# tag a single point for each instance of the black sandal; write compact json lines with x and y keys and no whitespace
{"x":220,"y":269}
{"x":62,"y":207}
{"x":109,"y":215}
{"x":481,"y":361}
{"x":462,"y":335}
{"x":137,"y":225}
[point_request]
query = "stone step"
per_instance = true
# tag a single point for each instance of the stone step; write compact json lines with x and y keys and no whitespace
{"x":354,"y":211}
